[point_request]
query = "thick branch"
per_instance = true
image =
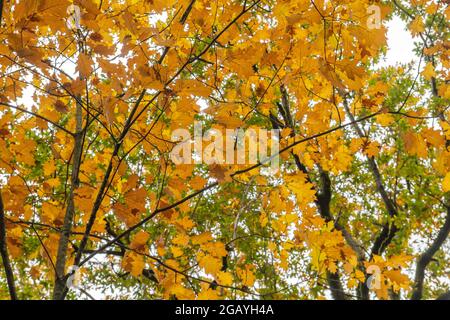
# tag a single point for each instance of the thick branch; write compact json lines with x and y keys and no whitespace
{"x":427,"y":256}
{"x":323,"y":197}
{"x":334,"y":281}
{"x":4,"y":253}
{"x":61,"y":257}
{"x":1,"y":12}
{"x":389,"y":229}
{"x":103,"y":187}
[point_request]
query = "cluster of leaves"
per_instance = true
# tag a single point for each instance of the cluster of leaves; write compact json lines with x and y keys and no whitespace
{"x":88,"y":104}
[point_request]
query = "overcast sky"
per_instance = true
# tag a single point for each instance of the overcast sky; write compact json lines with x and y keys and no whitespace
{"x":400,"y":42}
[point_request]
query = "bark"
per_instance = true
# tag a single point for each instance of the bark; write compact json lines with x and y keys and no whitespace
{"x":427,"y":256}
{"x":334,"y":281}
{"x":443,"y":233}
{"x":323,"y":196}
{"x":1,"y":11}
{"x":61,"y":257}
{"x":389,"y":229}
{"x":4,"y":254}
{"x":324,"y":200}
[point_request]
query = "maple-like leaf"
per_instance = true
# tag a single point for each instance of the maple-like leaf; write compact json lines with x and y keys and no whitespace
{"x":84,"y":65}
{"x":446,"y":183}
{"x":96,"y":97}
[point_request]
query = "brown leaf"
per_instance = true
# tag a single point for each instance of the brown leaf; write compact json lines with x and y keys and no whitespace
{"x":96,"y":36}
{"x":61,"y":106}
{"x":84,"y":65}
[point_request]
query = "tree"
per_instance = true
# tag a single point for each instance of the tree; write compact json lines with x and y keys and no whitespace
{"x":91,"y":92}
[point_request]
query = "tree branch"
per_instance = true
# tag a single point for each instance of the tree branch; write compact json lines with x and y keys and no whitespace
{"x":60,"y":289}
{"x":427,"y":256}
{"x":37,"y":116}
{"x":1,"y":12}
{"x":4,"y":253}
{"x":389,"y":229}
{"x":323,"y":195}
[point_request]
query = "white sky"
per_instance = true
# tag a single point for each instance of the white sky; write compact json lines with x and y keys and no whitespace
{"x":400,"y":43}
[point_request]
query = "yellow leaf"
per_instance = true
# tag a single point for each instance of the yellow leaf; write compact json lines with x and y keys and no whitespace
{"x":211,"y":264}
{"x":84,"y":65}
{"x":415,"y":145}
{"x":397,"y":277}
{"x":133,"y":263}
{"x":352,"y":283}
{"x":429,"y":72}
{"x":417,"y":26}
{"x":217,"y":249}
{"x":360,"y":276}
{"x":50,"y":212}
{"x":385,"y":119}
{"x":139,"y":240}
{"x":185,"y":223}
{"x":181,"y":292}
{"x":225,"y":278}
{"x":303,"y":190}
{"x":201,"y":238}
{"x":177,"y":252}
{"x":192,"y":87}
{"x":317,"y":259}
{"x":446,"y":183}
{"x":372,"y":149}
{"x":181,"y":239}
{"x":208,"y":294}
{"x":247,"y":276}
{"x":400,"y":260}
{"x":25,"y":8}
{"x":49,"y":167}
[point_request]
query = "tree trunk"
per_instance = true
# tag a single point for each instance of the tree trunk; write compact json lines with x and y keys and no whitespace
{"x":4,"y":253}
{"x":61,"y":258}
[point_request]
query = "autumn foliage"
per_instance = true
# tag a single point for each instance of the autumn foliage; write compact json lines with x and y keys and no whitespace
{"x":91,"y":91}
